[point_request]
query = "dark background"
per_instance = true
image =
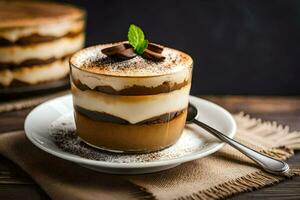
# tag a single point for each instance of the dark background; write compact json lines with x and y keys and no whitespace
{"x":239,"y":47}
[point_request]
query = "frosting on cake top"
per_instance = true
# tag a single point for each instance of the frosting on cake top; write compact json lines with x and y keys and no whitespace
{"x":93,"y":60}
{"x":32,"y":13}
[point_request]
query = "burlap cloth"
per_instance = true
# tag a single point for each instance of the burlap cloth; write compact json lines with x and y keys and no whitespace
{"x":220,"y":175}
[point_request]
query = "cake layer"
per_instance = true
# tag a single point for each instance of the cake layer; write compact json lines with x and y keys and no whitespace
{"x":34,"y":39}
{"x":30,"y":62}
{"x":101,"y":116}
{"x":35,"y":74}
{"x":129,"y":138}
{"x":57,"y":48}
{"x":93,"y":60}
{"x":122,"y":85}
{"x":53,"y":30}
{"x":133,"y":109}
{"x":19,"y":84}
{"x":35,"y":13}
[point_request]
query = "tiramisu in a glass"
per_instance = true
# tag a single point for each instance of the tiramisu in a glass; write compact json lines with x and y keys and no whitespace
{"x":132,"y":105}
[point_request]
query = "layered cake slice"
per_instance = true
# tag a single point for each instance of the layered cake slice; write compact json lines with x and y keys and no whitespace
{"x":131,"y":105}
{"x":36,"y":40}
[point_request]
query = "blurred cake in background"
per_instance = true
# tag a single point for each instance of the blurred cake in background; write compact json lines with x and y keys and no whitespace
{"x":36,"y":40}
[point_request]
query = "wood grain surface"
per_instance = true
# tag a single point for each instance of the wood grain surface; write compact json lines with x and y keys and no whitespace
{"x":16,"y":184}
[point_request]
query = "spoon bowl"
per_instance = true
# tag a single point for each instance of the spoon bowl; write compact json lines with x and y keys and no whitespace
{"x":192,"y":114}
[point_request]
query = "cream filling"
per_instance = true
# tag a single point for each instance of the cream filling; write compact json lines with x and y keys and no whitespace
{"x":119,"y":83}
{"x":132,"y":108}
{"x":55,"y":29}
{"x":36,"y":74}
{"x":57,"y":48}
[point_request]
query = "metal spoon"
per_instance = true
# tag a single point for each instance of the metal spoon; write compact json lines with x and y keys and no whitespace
{"x":269,"y":164}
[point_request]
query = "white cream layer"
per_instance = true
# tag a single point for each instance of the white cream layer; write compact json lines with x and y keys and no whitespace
{"x":132,"y":108}
{"x":56,"y":30}
{"x":119,"y":83}
{"x":57,"y":48}
{"x":36,"y":74}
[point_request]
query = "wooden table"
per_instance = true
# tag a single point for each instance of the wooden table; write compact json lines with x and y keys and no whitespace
{"x":15,"y":184}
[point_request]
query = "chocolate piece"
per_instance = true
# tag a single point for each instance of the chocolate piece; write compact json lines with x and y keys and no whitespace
{"x":30,"y":62}
{"x":34,"y":39}
{"x":122,"y":51}
{"x":110,"y":51}
{"x":151,"y":55}
{"x":101,"y":116}
{"x":134,"y":90}
{"x":155,"y":48}
{"x":126,"y":51}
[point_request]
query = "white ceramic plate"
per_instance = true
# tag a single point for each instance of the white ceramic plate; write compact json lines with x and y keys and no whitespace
{"x":195,"y":143}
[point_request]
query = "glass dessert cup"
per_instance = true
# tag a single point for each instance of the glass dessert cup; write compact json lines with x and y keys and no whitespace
{"x":128,"y":113}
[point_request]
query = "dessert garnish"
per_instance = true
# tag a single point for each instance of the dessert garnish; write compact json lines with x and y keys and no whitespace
{"x":136,"y":45}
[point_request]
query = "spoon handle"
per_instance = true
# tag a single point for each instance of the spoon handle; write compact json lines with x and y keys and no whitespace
{"x":269,"y":164}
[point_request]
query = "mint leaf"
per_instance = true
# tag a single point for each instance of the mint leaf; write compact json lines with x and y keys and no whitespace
{"x":135,"y":35}
{"x":136,"y":39}
{"x":140,"y":49}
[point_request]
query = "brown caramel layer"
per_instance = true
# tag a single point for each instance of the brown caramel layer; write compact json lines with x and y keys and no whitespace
{"x":165,"y":87}
{"x":34,"y":39}
{"x":30,"y":62}
{"x":129,"y":138}
{"x":105,"y":117}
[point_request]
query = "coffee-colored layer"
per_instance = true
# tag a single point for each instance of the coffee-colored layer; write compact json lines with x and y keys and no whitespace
{"x":165,"y":87}
{"x":30,"y":62}
{"x":129,"y":138}
{"x":105,"y":117}
{"x":34,"y":39}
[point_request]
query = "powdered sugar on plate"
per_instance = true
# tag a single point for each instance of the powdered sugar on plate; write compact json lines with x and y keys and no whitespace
{"x":63,"y":132}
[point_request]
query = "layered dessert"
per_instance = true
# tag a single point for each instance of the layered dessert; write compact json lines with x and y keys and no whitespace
{"x":36,"y":41}
{"x":133,"y":105}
